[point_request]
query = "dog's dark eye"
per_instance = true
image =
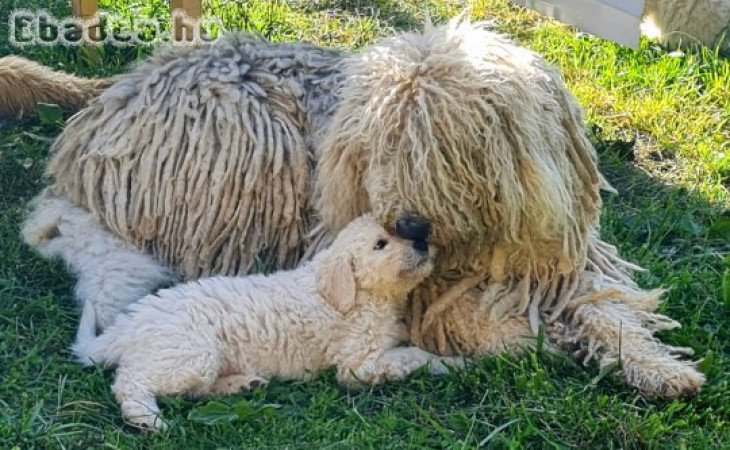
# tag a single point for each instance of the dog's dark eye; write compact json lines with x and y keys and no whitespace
{"x":380,"y":244}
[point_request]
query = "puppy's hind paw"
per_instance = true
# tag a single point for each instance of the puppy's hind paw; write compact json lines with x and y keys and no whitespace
{"x":142,"y":417}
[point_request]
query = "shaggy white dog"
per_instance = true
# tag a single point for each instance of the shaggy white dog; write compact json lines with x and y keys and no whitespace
{"x":688,"y":21}
{"x":220,"y":335}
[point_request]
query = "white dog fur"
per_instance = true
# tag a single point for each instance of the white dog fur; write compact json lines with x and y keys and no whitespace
{"x":220,"y":335}
{"x":705,"y":22}
{"x":111,"y":273}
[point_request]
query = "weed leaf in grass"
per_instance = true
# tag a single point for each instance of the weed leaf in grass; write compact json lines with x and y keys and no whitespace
{"x":49,"y":114}
{"x":216,"y":412}
{"x":689,"y":226}
{"x":720,"y":228}
{"x":213,"y":413}
{"x":269,"y":410}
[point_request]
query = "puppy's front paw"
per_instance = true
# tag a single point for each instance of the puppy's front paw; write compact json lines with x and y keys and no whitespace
{"x":441,"y":365}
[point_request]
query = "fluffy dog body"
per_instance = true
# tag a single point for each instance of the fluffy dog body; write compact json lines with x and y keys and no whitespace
{"x":241,"y":135}
{"x":220,"y":335}
{"x":483,"y":140}
{"x":689,"y":21}
{"x":208,"y":158}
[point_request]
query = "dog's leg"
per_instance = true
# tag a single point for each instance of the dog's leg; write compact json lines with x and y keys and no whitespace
{"x":396,"y":364}
{"x":137,"y":401}
{"x":615,"y":333}
{"x":454,"y":320}
{"x":168,"y":365}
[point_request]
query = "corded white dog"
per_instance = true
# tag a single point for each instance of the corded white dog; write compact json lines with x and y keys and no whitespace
{"x":220,"y":335}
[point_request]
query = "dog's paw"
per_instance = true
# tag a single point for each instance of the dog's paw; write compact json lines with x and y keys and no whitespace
{"x":151,"y":423}
{"x":143,"y":417}
{"x":441,"y":365}
{"x":232,"y":384}
{"x":665,"y":377}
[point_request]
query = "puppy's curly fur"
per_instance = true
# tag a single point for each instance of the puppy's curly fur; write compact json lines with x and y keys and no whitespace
{"x":220,"y":335}
{"x":110,"y":273}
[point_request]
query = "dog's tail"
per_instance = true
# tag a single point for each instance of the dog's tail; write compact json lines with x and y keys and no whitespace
{"x":84,"y":346}
{"x":107,"y":348}
{"x":91,"y":349}
{"x":25,"y":83}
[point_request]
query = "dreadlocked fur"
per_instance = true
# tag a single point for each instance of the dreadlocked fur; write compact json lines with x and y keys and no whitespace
{"x":482,"y":139}
{"x":204,"y":157}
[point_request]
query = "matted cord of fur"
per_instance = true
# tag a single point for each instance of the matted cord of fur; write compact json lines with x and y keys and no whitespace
{"x":481,"y":138}
{"x":200,"y":155}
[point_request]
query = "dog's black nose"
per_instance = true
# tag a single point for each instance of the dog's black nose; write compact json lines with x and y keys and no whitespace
{"x":413,"y":228}
{"x":421,"y":246}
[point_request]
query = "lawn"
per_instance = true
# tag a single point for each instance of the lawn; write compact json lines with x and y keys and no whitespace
{"x":661,"y":123}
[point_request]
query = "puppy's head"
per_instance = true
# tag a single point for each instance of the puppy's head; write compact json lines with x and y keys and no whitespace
{"x":365,"y":257}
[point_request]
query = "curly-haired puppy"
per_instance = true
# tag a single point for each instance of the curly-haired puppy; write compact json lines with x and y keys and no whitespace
{"x":220,"y":335}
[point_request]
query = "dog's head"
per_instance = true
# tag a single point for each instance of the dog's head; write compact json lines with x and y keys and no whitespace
{"x":469,"y":132}
{"x":366,"y":258}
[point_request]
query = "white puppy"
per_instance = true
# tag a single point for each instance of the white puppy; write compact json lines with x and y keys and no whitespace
{"x":220,"y":335}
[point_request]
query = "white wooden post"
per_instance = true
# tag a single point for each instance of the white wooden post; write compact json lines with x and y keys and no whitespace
{"x":192,"y":9}
{"x":86,"y":9}
{"x":615,"y":20}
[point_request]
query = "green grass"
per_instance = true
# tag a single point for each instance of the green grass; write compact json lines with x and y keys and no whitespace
{"x":672,"y":217}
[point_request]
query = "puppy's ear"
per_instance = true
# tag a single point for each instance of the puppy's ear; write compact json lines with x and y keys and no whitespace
{"x":336,"y":283}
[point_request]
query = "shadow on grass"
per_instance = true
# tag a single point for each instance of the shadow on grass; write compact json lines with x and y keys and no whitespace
{"x":680,"y":238}
{"x":394,"y":14}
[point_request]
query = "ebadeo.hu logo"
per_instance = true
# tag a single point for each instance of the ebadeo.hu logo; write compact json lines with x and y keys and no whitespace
{"x":42,"y":28}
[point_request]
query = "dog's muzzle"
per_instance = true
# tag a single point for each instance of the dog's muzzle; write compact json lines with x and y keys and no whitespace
{"x":421,"y":247}
{"x":413,"y":228}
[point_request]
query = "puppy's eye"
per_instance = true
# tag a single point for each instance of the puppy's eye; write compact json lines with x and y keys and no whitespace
{"x":380,"y":244}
